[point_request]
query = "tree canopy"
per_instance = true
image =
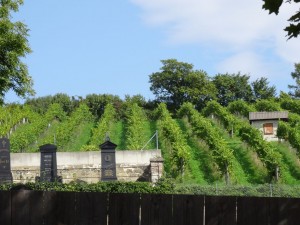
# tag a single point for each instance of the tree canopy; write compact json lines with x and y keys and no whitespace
{"x":295,"y":89}
{"x":262,"y":90}
{"x":177,"y":83}
{"x":273,"y":6}
{"x":232,"y":87}
{"x":13,"y":47}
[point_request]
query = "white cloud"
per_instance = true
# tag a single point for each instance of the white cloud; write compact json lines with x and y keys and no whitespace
{"x":244,"y":61}
{"x":240,"y":28}
{"x":228,"y":21}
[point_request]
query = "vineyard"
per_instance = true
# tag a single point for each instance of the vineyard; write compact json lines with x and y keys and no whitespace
{"x":214,"y":145}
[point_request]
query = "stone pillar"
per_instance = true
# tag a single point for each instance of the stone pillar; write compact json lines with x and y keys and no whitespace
{"x":156,"y":168}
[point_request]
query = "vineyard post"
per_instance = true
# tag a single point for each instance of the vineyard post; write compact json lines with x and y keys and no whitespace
{"x":156,"y":139}
{"x":277,"y":173}
{"x":226,"y":174}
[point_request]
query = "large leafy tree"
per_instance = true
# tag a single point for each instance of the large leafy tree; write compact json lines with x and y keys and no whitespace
{"x":273,"y":6}
{"x":97,"y":103}
{"x":13,"y":47}
{"x":232,"y":87}
{"x":295,"y":89}
{"x":262,"y":90}
{"x":177,"y":83}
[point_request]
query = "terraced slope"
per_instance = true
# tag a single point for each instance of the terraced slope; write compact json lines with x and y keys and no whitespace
{"x":197,"y":147}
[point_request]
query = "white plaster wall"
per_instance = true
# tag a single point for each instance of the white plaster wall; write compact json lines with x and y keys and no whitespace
{"x":259,"y":125}
{"x":137,"y":157}
{"x":86,"y":166}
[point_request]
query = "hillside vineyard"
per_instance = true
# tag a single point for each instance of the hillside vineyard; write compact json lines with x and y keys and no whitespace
{"x":213,"y":145}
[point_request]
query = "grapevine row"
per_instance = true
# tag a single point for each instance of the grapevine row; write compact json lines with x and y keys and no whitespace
{"x":28,"y":133}
{"x":64,"y":131}
{"x":267,"y":153}
{"x":176,"y":147}
{"x":203,"y":129}
{"x":135,"y":122}
{"x":11,"y":117}
{"x":103,"y":126}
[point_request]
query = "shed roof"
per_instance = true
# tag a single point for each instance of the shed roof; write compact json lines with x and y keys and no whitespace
{"x":268,"y":115}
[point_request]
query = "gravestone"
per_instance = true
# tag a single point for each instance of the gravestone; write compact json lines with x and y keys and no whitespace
{"x":48,"y":164}
{"x":108,"y":161}
{"x":5,"y":171}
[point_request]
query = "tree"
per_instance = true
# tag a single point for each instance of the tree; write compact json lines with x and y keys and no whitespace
{"x":295,"y":89}
{"x":13,"y":47}
{"x":293,"y":30}
{"x":177,"y":83}
{"x":97,"y":103}
{"x":232,"y":87}
{"x":261,"y":89}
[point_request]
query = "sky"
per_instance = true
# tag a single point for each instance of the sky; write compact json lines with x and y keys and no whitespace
{"x":111,"y":47}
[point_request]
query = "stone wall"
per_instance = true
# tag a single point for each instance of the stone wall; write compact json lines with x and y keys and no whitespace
{"x":86,"y":166}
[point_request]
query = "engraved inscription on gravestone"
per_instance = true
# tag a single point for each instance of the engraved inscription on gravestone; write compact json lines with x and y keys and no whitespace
{"x":5,"y":170}
{"x":48,"y":163}
{"x":108,"y":161}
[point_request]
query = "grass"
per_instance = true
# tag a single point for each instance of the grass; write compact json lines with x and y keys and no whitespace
{"x":200,"y":167}
{"x":290,"y":171}
{"x":150,"y":129}
{"x":80,"y":137}
{"x":254,"y":171}
{"x":246,"y":166}
{"x":47,"y":137}
{"x":117,"y":134}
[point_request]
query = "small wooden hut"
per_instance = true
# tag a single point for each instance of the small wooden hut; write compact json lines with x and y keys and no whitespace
{"x":267,"y":123}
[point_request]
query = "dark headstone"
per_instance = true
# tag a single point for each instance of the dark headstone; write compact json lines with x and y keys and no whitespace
{"x":108,"y":161}
{"x":48,"y":163}
{"x":5,"y":171}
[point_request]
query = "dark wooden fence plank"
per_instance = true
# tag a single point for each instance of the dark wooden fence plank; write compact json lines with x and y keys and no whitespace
{"x":284,"y":211}
{"x":252,"y":210}
{"x":156,"y":209}
{"x":220,"y":210}
{"x":124,"y":209}
{"x":188,"y":209}
{"x":5,"y":207}
{"x":91,"y":208}
{"x":20,"y":207}
{"x":49,"y":205}
{"x":59,"y":208}
{"x":66,"y":205}
{"x":36,"y":207}
{"x":67,"y":208}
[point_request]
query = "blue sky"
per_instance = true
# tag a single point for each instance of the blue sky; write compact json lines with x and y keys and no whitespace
{"x":112,"y":47}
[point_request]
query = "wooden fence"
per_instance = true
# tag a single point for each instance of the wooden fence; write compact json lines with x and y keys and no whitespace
{"x":91,"y":208}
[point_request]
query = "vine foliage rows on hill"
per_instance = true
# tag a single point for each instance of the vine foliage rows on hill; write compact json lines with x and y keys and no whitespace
{"x":66,"y":128}
{"x":29,"y":133}
{"x":252,"y":136}
{"x":176,"y":149}
{"x":204,"y":130}
{"x":103,"y":126}
{"x":135,"y":120}
{"x":12,"y":116}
